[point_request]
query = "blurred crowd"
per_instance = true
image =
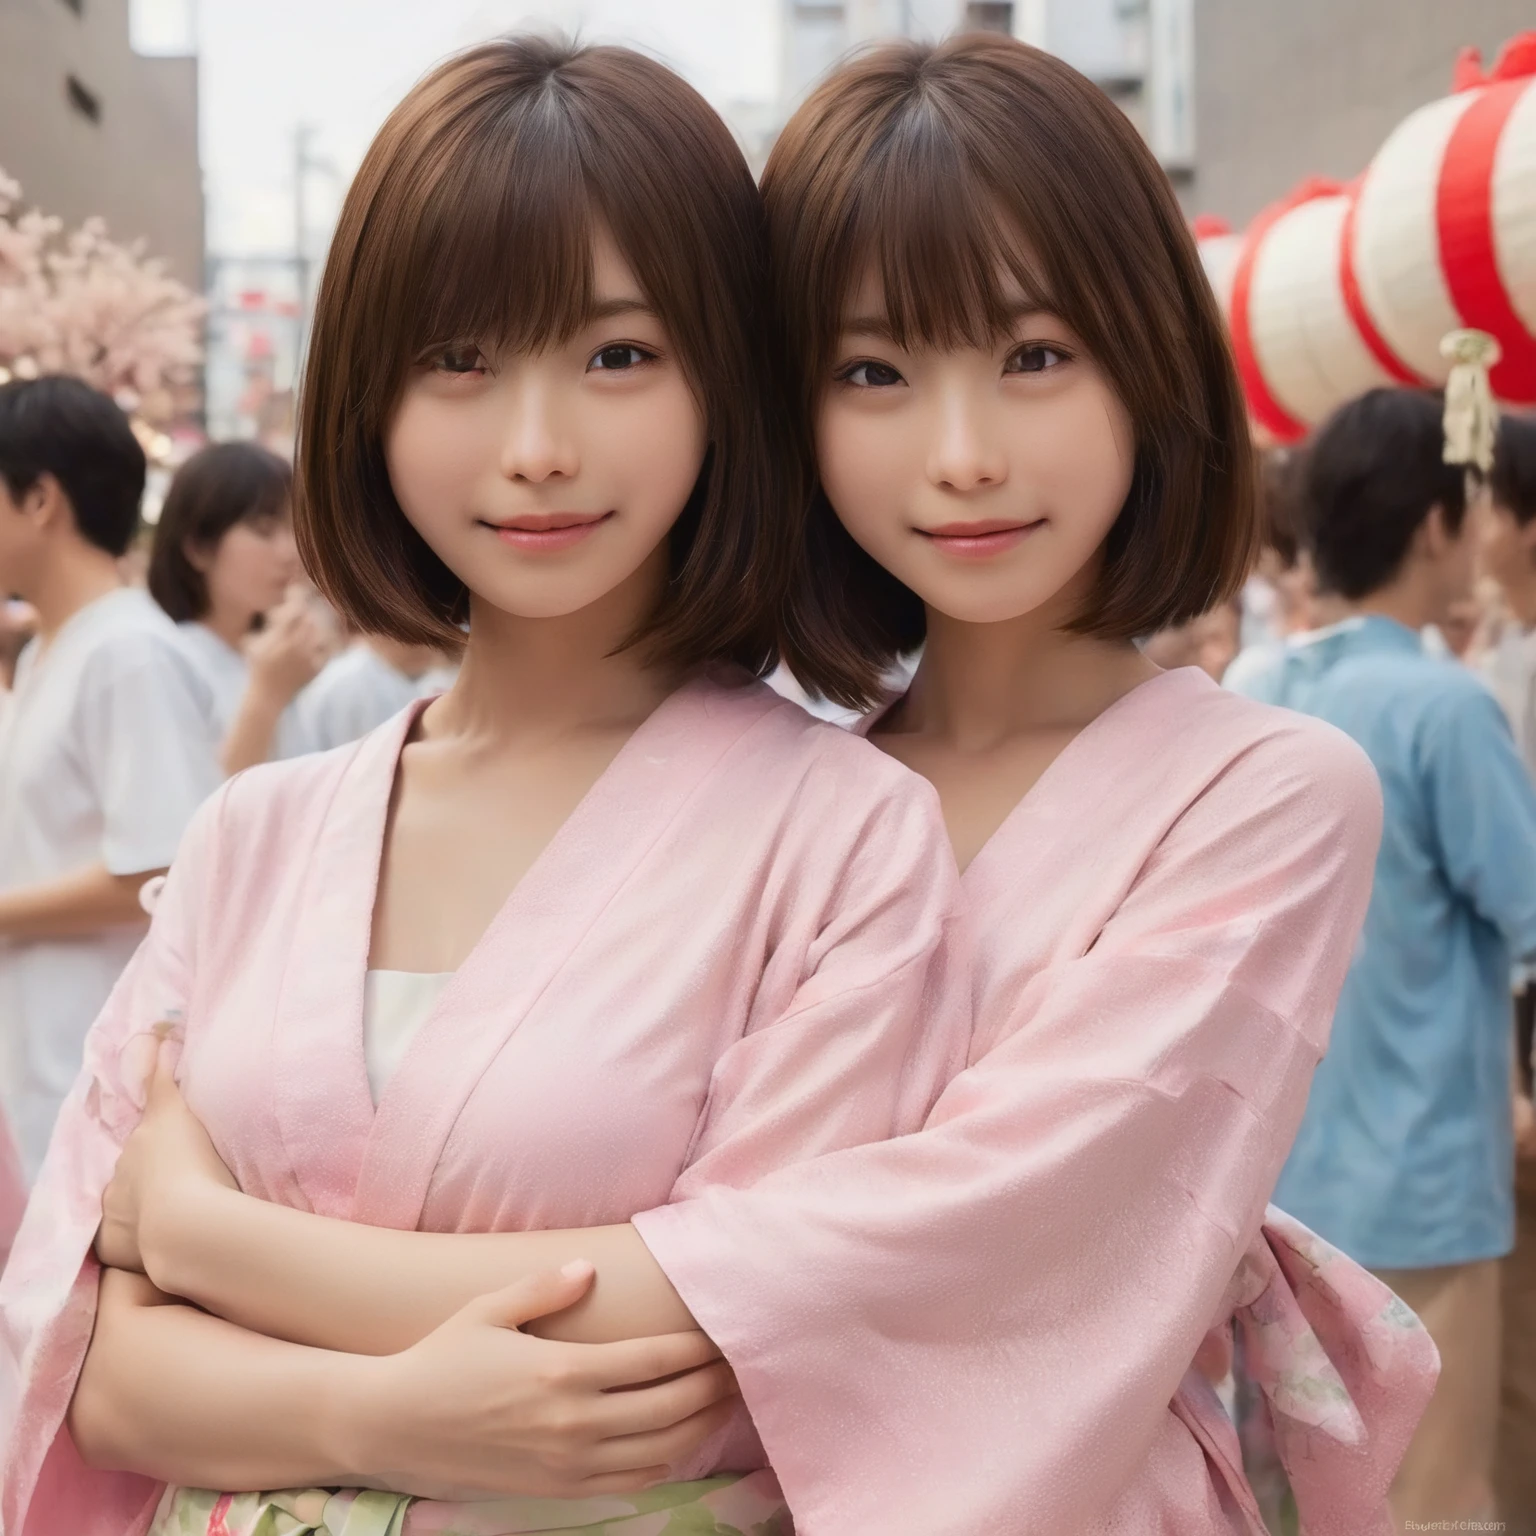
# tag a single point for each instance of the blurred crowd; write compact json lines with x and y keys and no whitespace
{"x":139,"y":666}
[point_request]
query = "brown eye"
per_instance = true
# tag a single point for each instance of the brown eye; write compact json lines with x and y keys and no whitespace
{"x":618,"y":357}
{"x":871,"y":375}
{"x":1035,"y":358}
{"x":460,"y":358}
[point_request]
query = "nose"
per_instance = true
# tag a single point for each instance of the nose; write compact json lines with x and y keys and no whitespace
{"x":966,"y":453}
{"x":537,"y":445}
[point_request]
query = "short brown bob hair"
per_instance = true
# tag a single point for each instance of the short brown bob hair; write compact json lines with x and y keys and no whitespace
{"x":472,"y":219}
{"x":219,"y":486}
{"x":950,"y":167}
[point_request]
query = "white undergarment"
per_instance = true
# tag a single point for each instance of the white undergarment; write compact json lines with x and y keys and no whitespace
{"x":395,"y":1006}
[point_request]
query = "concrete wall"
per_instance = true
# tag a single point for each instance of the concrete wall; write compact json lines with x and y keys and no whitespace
{"x":137,"y":166}
{"x":1290,"y":88}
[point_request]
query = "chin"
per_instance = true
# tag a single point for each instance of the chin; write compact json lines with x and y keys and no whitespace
{"x":973,"y":603}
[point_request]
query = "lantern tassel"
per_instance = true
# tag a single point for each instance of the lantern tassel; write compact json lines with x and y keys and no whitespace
{"x":1471,"y":414}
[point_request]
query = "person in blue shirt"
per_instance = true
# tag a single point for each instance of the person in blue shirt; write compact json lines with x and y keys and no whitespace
{"x":1405,"y":1155}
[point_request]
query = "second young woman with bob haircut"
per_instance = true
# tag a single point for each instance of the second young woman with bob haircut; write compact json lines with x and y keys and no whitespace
{"x":608,"y":921}
{"x":1032,"y":448}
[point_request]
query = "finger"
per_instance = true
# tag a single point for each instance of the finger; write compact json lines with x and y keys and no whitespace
{"x":646,"y":1409}
{"x":163,"y":1085}
{"x":620,"y":1482}
{"x":669,"y":1447}
{"x":551,"y":1290}
{"x":631,"y":1362}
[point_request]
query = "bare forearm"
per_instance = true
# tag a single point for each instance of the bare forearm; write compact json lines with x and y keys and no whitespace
{"x":371,"y":1290}
{"x":74,"y":905}
{"x":253,"y":730}
{"x":177,"y":1395}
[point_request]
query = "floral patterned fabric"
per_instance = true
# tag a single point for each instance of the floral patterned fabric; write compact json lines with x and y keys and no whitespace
{"x":1338,"y":1371}
{"x":732,"y":1505}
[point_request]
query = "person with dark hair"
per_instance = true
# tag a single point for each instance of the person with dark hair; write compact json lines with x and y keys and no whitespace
{"x":223,"y":562}
{"x":104,"y":749}
{"x":1404,"y":1158}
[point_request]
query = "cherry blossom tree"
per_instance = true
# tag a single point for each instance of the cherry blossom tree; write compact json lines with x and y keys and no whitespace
{"x":76,"y":301}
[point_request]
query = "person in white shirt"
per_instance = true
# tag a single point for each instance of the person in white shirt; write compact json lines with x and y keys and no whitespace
{"x":225,"y":568}
{"x":104,"y":750}
{"x":374,"y":678}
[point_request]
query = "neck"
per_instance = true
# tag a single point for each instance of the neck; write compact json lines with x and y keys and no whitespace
{"x":980,"y":684}
{"x":1409,"y":598}
{"x":76,"y":576}
{"x":536,"y":678}
{"x":230,"y":626}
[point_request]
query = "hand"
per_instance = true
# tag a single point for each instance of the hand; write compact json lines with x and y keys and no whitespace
{"x":1525,"y":1127}
{"x":166,"y":1163}
{"x":478,"y":1409}
{"x":288,"y":651}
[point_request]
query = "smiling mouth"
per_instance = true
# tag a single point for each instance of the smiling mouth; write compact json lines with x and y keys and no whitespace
{"x":978,"y":541}
{"x":548,"y":531}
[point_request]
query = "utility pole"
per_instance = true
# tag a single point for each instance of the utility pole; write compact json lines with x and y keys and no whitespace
{"x":303,"y":134}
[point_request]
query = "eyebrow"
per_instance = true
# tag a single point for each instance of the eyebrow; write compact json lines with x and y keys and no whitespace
{"x":879,"y":327}
{"x":609,"y":309}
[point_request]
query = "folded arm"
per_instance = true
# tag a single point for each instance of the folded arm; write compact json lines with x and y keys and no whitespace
{"x":373,"y":1290}
{"x":477,"y":1409}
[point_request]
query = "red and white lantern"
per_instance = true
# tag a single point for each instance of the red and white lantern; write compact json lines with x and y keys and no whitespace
{"x":1219,"y":248}
{"x":1444,"y":230}
{"x":1295,"y":337}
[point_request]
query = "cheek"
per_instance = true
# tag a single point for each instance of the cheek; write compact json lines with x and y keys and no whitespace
{"x":1085,"y":459}
{"x":656,"y":444}
{"x":862,"y":459}
{"x":427,"y":453}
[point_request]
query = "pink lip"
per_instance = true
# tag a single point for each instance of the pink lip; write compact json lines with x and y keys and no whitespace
{"x":979,"y":541}
{"x":546,"y":532}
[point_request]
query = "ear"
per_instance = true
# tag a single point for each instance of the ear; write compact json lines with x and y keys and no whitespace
{"x":44,"y":504}
{"x":1432,"y":539}
{"x":199,"y":556}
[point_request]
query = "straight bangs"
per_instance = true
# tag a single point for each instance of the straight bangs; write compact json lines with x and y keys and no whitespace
{"x":472,"y":221}
{"x":974,"y":177}
{"x":936,"y":232}
{"x":502,"y":255}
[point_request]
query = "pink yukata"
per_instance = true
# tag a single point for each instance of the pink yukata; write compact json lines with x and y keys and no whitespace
{"x":742,"y":948}
{"x":988,"y":1327}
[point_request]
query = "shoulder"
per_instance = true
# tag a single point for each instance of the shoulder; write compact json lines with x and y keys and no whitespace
{"x":823,"y":784}
{"x":279,"y":804}
{"x":1278,"y":764}
{"x":834,"y":760}
{"x":138,"y":640}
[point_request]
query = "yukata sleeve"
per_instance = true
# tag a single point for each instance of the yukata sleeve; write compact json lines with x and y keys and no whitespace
{"x":878,"y":1018}
{"x":48,"y":1289}
{"x":980,"y":1327}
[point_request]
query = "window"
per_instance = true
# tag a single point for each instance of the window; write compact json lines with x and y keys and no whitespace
{"x":86,"y":102}
{"x":987,"y":16}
